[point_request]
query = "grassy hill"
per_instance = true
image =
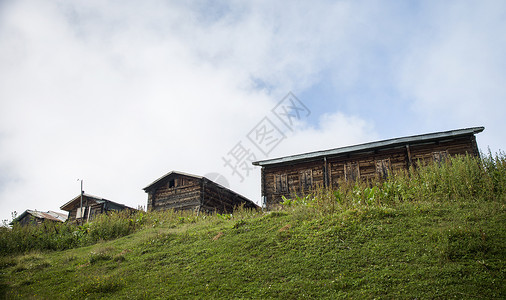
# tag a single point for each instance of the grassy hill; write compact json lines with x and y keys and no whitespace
{"x":437,"y":232}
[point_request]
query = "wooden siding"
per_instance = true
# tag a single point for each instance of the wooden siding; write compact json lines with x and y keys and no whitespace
{"x":177,"y":193}
{"x":88,"y":204}
{"x":219,"y":199}
{"x":364,"y":165}
{"x":30,"y":220}
{"x":181,"y":192}
{"x":91,"y":208}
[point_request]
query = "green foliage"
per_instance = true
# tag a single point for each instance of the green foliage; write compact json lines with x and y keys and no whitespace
{"x":60,"y":236}
{"x":461,"y":177}
{"x":224,"y":216}
{"x":434,"y":232}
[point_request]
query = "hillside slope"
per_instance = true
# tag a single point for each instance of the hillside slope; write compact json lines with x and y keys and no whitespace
{"x":416,"y":250}
{"x":356,"y":243}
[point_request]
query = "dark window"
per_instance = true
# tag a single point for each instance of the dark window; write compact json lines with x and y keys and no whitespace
{"x":383,"y":168}
{"x":281,"y":183}
{"x":440,"y":156}
{"x":306,"y":179}
{"x":351,"y":171}
{"x":172,"y":183}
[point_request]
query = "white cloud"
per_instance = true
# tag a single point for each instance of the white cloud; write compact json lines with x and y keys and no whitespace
{"x":119,"y":93}
{"x":333,"y":131}
{"x":455,"y":75}
{"x":118,"y":112}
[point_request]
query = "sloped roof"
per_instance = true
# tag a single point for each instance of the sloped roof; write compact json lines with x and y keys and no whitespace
{"x":168,"y":175}
{"x":372,"y":145}
{"x":171,"y":173}
{"x":67,"y":205}
{"x":49,"y":215}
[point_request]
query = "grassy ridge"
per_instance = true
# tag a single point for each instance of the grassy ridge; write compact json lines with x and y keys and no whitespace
{"x":437,"y":232}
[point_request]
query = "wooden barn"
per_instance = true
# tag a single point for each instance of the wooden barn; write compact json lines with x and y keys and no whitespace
{"x":298,"y":174}
{"x":91,"y":207}
{"x":34,"y":217}
{"x":182,"y":191}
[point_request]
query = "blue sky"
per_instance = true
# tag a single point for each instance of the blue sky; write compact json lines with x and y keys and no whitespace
{"x":120,"y":93}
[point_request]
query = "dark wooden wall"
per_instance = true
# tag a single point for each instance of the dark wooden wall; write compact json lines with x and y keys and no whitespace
{"x":92,"y":208}
{"x":300,"y":178}
{"x":87,"y":202}
{"x":182,"y":193}
{"x":199,"y":194}
{"x":221,"y":200}
{"x":30,"y":220}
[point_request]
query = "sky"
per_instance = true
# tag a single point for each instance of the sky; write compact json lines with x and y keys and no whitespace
{"x":119,"y":93}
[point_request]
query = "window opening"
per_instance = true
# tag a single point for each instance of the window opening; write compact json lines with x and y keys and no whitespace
{"x":440,"y":156}
{"x":281,"y":183}
{"x":383,"y":168}
{"x":306,"y":179}
{"x":351,"y":171}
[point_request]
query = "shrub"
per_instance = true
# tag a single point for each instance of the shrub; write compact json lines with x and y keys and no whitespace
{"x":461,"y":177}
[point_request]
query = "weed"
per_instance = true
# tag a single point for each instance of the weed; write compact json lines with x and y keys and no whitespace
{"x":435,"y":231}
{"x":239,"y":223}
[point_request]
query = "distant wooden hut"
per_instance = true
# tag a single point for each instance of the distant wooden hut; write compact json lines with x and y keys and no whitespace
{"x":34,"y":217}
{"x":299,"y":174}
{"x":182,"y":191}
{"x":91,"y":207}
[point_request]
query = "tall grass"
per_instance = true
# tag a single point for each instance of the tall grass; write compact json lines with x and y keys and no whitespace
{"x":459,"y":178}
{"x":61,"y":236}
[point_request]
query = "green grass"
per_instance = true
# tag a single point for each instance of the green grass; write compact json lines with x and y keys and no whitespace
{"x":419,"y":241}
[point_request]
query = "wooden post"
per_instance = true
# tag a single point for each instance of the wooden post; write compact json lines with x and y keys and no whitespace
{"x":325,"y":176}
{"x":81,"y":209}
{"x":409,"y":156}
{"x":474,"y":145}
{"x":263,"y":201}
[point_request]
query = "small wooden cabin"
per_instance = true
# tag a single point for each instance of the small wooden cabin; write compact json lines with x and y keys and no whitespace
{"x":91,"y":207}
{"x":182,"y":191}
{"x":298,"y":174}
{"x":34,"y":217}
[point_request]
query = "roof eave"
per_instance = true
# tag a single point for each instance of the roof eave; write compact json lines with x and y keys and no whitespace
{"x":370,"y":146}
{"x":169,"y":174}
{"x":235,"y":193}
{"x":64,"y":206}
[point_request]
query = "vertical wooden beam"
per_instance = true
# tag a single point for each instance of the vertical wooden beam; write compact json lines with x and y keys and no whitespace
{"x":263,"y":196}
{"x":408,"y":151}
{"x":202,"y":191}
{"x":475,"y":146}
{"x":325,"y":175}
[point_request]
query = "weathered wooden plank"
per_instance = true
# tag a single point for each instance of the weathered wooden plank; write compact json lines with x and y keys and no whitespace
{"x":334,"y":170}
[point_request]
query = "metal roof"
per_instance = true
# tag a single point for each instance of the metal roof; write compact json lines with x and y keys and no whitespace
{"x":168,"y":174}
{"x":49,"y":215}
{"x":97,"y":199}
{"x":372,"y":145}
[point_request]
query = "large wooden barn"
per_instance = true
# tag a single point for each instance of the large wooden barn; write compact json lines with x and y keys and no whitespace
{"x":182,"y":191}
{"x":90,"y":207}
{"x":298,"y":174}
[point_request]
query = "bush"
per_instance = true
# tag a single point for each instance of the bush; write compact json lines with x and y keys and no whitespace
{"x":460,"y":177}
